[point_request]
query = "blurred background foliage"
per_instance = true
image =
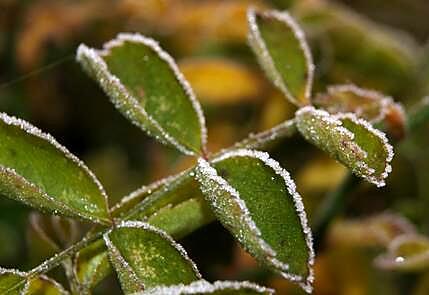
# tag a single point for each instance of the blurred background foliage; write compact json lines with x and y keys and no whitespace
{"x":378,"y":44}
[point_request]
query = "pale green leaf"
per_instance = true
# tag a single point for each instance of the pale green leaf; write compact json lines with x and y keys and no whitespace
{"x":37,"y":170}
{"x":217,"y":288}
{"x":409,"y":252}
{"x":44,"y":286}
{"x":352,"y":141}
{"x":145,"y":257}
{"x":146,"y":86}
{"x":282,"y":51}
{"x":14,"y":282}
{"x":257,"y":201}
{"x":91,"y":264}
{"x":11,"y":281}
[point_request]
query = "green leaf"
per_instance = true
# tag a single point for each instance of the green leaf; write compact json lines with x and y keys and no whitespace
{"x":37,"y":170}
{"x":256,"y":200}
{"x":204,"y":287}
{"x":409,"y":252}
{"x":145,"y":257}
{"x":44,"y":286}
{"x":146,"y":86}
{"x":91,"y":264}
{"x":158,"y":203}
{"x":282,"y":51}
{"x":11,"y":281}
{"x":182,"y":219}
{"x":352,"y":141}
{"x":14,"y":282}
{"x":348,"y":98}
{"x":367,"y":104}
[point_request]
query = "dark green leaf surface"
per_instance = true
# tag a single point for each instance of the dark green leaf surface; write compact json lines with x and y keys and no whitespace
{"x":217,"y":288}
{"x":283,"y":53}
{"x":145,"y":85}
{"x":13,"y":282}
{"x":256,"y":200}
{"x":37,"y":170}
{"x":145,"y":257}
{"x":353,"y":142}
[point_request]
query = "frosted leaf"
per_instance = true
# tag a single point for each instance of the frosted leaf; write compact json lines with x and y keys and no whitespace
{"x":91,"y":264}
{"x":37,"y":170}
{"x":12,"y":281}
{"x":146,"y":86}
{"x":204,"y":287}
{"x":408,"y":252}
{"x":145,"y":257}
{"x":348,"y":98}
{"x":276,"y":232}
{"x":352,"y":141}
{"x":364,"y":103}
{"x":43,"y":285}
{"x":282,"y":51}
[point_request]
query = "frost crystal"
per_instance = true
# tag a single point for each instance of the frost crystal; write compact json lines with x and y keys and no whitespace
{"x":204,"y":287}
{"x":264,"y":57}
{"x":93,"y":62}
{"x":299,"y":207}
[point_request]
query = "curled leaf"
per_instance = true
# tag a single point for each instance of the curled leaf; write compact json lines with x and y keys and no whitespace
{"x":146,"y":86}
{"x":282,"y":51}
{"x":352,"y":141}
{"x":37,"y":170}
{"x":44,"y":285}
{"x":145,"y":257}
{"x":367,"y":104}
{"x":378,"y":230}
{"x":406,"y":253}
{"x":204,"y":287}
{"x":257,"y":201}
{"x":91,"y":264}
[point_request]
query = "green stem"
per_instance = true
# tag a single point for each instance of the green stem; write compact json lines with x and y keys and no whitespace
{"x":57,"y":259}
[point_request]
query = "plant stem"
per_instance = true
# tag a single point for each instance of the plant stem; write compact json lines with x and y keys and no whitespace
{"x":57,"y":259}
{"x":265,"y":138}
